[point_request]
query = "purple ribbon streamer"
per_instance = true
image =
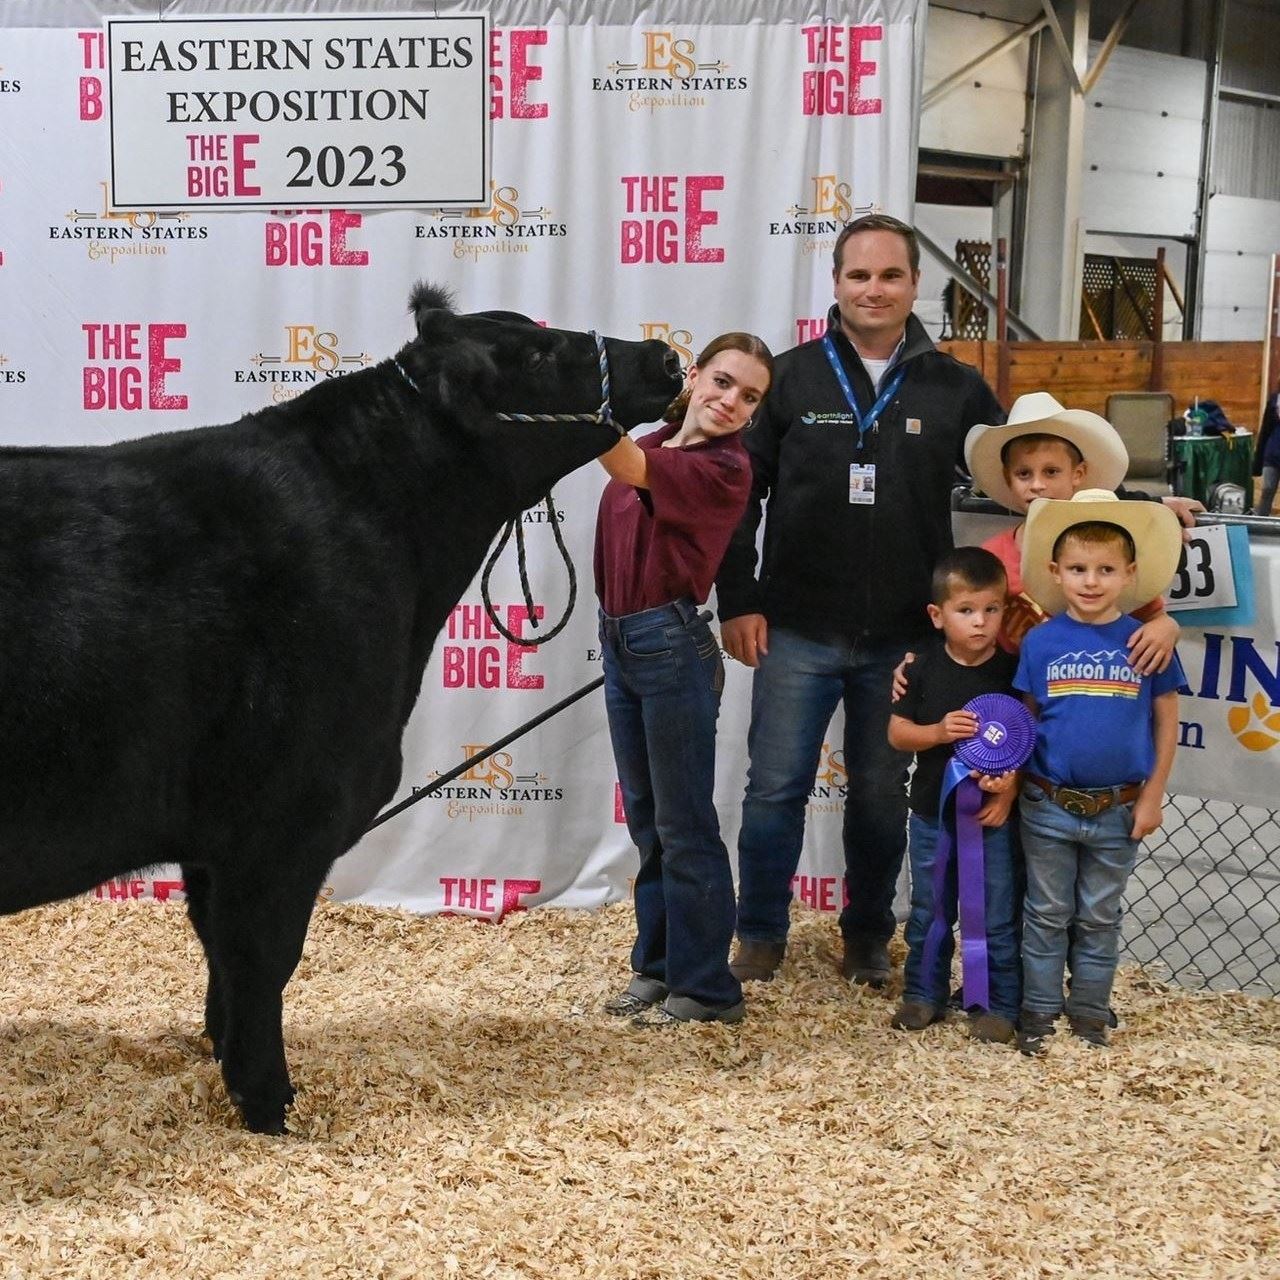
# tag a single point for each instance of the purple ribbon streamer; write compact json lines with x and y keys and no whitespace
{"x":958,"y":812}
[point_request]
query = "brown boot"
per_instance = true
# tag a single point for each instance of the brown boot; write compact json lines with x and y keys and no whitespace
{"x":1090,"y":1030}
{"x":756,"y":961}
{"x":865,"y":962}
{"x":915,"y":1015}
{"x":1033,"y":1030}
{"x":990,"y":1028}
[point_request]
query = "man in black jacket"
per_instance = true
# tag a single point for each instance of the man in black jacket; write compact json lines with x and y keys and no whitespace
{"x":855,"y":448}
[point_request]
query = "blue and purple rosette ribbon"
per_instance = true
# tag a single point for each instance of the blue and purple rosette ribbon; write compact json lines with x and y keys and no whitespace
{"x":1005,"y":739}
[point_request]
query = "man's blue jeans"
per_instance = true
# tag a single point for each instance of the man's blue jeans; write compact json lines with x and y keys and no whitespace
{"x":1077,"y":870}
{"x":797,"y":687}
{"x":663,"y":675}
{"x":1004,"y":977}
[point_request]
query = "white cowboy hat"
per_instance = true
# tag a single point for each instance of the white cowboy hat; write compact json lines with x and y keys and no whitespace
{"x":1039,"y":413}
{"x":1155,"y":531}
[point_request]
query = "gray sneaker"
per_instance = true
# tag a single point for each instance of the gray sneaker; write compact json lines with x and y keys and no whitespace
{"x":687,"y":1010}
{"x":626,"y":1005}
{"x":641,"y":994}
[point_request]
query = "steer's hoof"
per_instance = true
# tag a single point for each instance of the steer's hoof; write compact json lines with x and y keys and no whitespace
{"x":264,"y":1115}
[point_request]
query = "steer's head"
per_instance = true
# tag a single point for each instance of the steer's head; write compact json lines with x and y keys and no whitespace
{"x":476,"y":367}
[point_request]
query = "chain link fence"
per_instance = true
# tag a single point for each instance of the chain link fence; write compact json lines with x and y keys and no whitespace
{"x":1203,"y":904}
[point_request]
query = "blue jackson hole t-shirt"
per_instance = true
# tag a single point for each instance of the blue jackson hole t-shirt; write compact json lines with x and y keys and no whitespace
{"x":1095,"y":725}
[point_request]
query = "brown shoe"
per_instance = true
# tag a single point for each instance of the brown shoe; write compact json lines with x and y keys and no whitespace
{"x":865,"y":962}
{"x":756,"y":961}
{"x":1090,"y":1030}
{"x":990,"y":1028}
{"x":915,"y":1015}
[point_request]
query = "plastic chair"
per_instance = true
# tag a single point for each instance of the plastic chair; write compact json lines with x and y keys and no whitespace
{"x":1142,"y":420}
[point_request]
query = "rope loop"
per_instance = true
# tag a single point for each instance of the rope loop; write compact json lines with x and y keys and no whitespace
{"x":518,"y":525}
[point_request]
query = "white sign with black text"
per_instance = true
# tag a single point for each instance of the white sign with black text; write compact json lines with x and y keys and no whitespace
{"x":1204,"y":579}
{"x":279,"y":113}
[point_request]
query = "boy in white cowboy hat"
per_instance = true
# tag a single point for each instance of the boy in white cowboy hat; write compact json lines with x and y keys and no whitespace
{"x":1046,"y":451}
{"x":1094,"y":786}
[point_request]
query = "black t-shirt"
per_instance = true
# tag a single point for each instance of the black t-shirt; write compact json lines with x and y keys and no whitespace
{"x":936,"y":684}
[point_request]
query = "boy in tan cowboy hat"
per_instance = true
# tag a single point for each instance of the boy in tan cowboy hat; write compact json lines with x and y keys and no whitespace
{"x":1107,"y":733}
{"x":1046,"y":451}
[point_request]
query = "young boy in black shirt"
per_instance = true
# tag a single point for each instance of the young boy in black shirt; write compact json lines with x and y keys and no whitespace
{"x":969,"y":589}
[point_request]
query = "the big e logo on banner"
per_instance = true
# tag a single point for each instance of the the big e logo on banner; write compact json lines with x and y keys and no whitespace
{"x":512,"y":70}
{"x":124,"y":358}
{"x":666,"y":216}
{"x":834,"y":87}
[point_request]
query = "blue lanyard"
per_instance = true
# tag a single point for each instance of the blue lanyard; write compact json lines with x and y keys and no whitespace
{"x":873,"y":414}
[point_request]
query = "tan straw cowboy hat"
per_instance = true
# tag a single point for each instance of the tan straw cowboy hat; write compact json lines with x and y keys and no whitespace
{"x":1038,"y":413}
{"x":1155,"y":531}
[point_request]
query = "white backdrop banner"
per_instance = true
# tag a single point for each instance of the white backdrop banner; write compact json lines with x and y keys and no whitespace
{"x":670,"y":170}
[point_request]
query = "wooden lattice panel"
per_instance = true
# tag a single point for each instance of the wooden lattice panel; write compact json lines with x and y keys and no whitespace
{"x":969,"y":316}
{"x":1118,"y":298}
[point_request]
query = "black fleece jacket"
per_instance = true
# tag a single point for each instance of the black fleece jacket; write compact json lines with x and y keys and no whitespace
{"x":835,"y":569}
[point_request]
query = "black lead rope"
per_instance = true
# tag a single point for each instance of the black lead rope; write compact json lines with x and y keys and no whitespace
{"x":518,"y":525}
{"x":421,"y":793}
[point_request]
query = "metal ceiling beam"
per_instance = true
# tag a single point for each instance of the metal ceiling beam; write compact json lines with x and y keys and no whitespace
{"x":1109,"y":46}
{"x":1060,"y":41}
{"x":944,"y":86}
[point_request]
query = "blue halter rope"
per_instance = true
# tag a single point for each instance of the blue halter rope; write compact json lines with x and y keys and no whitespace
{"x":603,"y":415}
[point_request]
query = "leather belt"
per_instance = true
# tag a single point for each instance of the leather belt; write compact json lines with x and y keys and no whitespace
{"x":1087,"y":802}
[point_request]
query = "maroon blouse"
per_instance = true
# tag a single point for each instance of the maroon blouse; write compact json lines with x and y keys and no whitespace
{"x":656,"y":545}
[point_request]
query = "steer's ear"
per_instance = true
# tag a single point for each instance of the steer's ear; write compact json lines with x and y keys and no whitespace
{"x":432,"y":309}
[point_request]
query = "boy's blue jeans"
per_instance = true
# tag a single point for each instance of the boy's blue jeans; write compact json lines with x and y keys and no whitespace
{"x":1001,"y":903}
{"x":794,"y":694}
{"x":662,"y":680}
{"x":1077,"y":870}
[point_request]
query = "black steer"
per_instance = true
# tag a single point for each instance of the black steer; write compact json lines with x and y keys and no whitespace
{"x":211,"y":640}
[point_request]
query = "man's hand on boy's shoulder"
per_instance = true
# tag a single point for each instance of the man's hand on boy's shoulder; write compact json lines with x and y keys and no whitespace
{"x":900,"y":680}
{"x":1151,"y":646}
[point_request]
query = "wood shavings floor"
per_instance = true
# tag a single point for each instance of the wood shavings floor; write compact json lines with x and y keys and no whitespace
{"x":465,"y":1110}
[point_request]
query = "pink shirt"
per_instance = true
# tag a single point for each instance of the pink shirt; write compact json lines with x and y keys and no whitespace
{"x":666,"y":542}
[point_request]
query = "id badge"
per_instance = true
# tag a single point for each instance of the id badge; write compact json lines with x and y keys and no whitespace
{"x":862,"y":483}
